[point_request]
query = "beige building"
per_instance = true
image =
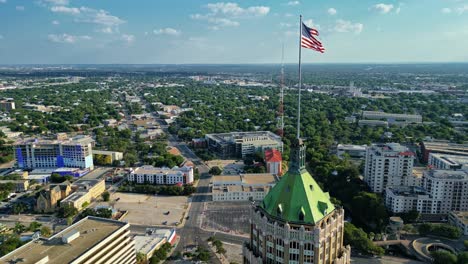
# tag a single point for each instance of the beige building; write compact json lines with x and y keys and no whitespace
{"x":296,"y":223}
{"x":85,"y":192}
{"x":242,"y":187}
{"x":46,"y":201}
{"x":91,"y":240}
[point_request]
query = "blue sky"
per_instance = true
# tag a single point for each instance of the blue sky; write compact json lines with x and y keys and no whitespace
{"x":242,"y":31}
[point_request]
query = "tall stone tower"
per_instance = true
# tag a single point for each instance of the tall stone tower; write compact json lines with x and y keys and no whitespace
{"x":296,"y":222}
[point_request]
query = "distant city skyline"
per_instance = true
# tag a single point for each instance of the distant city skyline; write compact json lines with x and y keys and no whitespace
{"x":233,"y":32}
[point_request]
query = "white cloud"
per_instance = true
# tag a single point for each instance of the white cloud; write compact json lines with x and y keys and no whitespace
{"x":398,"y":10}
{"x":310,"y":23}
{"x":332,"y":11}
{"x":383,"y":8}
{"x":217,"y":22}
{"x":293,"y":3}
{"x":446,"y":10}
{"x":58,"y":2}
{"x":3,"y":1}
{"x":285,"y":25}
{"x":167,"y":31}
{"x":107,"y":30}
{"x":288,"y":15}
{"x":66,"y":38}
{"x":65,"y":10}
{"x":345,"y":26}
{"x":55,"y":22}
{"x":223,"y":14}
{"x":129,"y":39}
{"x":20,"y":8}
{"x":103,"y":18}
{"x":233,"y":9}
{"x":462,"y":9}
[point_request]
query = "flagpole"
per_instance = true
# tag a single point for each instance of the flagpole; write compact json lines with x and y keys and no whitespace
{"x":300,"y":81}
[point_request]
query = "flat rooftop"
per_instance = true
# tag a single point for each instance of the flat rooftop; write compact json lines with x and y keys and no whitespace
{"x":69,"y":141}
{"x":451,"y":159}
{"x":449,"y":174}
{"x":408,"y":191}
{"x":147,"y":243}
{"x":148,"y":169}
{"x":238,"y":188}
{"x":247,"y":179}
{"x":352,"y":147}
{"x":238,"y":135}
{"x":92,"y":231}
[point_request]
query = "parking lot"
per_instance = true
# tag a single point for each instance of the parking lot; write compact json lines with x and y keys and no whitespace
{"x":149,"y":209}
{"x":229,"y":217}
{"x":228,"y":166}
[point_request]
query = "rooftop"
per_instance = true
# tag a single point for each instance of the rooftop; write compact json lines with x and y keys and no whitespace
{"x":148,"y":169}
{"x":147,"y":243}
{"x":92,"y":231}
{"x":246,"y":179}
{"x":297,"y":197}
{"x":273,"y":155}
{"x":407,"y":191}
{"x":243,"y":135}
{"x":68,"y":141}
{"x":448,"y":174}
{"x":352,"y":147}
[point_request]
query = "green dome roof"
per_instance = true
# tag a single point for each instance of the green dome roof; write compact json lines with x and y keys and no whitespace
{"x":297,"y":197}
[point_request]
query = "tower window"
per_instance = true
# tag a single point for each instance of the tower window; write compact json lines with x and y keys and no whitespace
{"x":301,"y":216}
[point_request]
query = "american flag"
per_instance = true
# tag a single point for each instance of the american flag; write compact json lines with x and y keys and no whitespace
{"x":308,"y":40}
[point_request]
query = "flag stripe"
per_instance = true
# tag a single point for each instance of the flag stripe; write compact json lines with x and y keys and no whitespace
{"x":308,"y":40}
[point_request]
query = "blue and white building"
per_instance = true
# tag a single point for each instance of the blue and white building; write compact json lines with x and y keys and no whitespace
{"x":73,"y":152}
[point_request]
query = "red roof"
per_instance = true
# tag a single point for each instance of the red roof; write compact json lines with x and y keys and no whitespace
{"x":273,"y":155}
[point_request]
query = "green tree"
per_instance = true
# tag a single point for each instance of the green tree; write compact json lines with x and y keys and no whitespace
{"x":215,"y":170}
{"x":67,"y":211}
{"x":10,"y":243}
{"x":45,"y":231}
{"x":19,"y":207}
{"x":463,"y":257}
{"x":359,"y":240}
{"x":106,"y":196}
{"x":443,"y":257}
{"x":34,"y":226}
{"x":19,"y":228}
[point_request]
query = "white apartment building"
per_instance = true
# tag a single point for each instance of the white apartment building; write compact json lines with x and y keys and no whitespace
{"x":400,"y":199}
{"x":447,"y":162}
{"x":164,"y":176}
{"x":388,"y":165}
{"x":460,"y":220}
{"x":448,"y":189}
{"x":443,"y":191}
{"x":74,"y":152}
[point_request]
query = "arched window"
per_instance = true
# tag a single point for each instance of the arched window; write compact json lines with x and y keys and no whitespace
{"x":301,"y":216}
